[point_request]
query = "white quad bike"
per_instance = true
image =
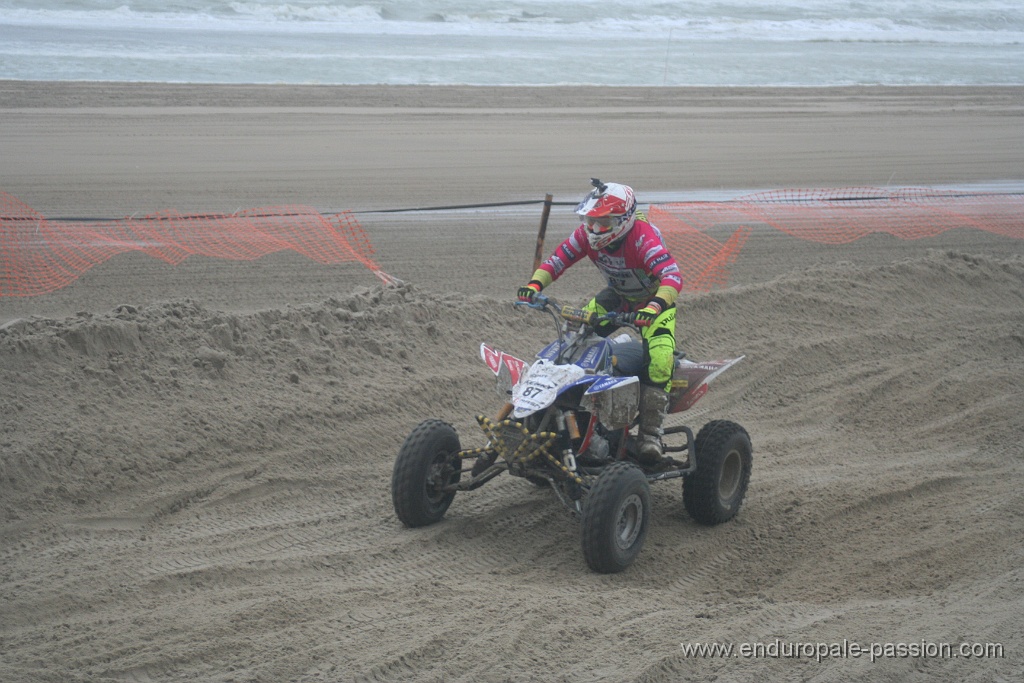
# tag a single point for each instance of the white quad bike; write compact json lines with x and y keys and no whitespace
{"x":569,"y":425}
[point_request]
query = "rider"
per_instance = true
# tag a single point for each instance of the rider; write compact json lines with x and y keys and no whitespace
{"x":643,"y":279}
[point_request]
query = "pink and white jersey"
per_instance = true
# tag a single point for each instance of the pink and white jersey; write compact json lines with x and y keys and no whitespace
{"x":635,"y":270}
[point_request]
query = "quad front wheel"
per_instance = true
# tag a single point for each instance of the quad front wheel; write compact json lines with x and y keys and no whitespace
{"x":616,"y":515}
{"x":427,"y":462}
{"x":714,"y":492}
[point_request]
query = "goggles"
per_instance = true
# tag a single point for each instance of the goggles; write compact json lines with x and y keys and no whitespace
{"x":600,"y":225}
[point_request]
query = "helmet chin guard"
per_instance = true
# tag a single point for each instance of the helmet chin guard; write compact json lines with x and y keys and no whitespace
{"x":608,"y":213}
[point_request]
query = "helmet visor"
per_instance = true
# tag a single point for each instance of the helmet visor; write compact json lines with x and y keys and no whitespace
{"x":600,"y":225}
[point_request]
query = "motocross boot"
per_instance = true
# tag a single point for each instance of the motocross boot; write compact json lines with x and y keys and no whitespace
{"x":653,"y":406}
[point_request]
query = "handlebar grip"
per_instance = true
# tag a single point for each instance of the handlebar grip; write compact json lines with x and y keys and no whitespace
{"x":539,"y":305}
{"x":619,"y":319}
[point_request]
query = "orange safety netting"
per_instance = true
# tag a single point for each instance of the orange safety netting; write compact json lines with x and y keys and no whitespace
{"x":827,"y":216}
{"x":38,"y":255}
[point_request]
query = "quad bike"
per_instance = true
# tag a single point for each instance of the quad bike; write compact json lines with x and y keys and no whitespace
{"x":568,"y":424}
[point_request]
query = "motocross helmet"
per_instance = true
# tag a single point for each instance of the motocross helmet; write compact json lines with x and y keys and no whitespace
{"x":608,"y":213}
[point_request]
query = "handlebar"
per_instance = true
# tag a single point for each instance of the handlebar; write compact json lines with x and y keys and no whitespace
{"x":543,"y":302}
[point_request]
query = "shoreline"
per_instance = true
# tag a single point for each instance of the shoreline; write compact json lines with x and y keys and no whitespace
{"x":17,"y":94}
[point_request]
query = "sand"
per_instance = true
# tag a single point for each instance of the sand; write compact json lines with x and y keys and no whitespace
{"x":195,"y":460}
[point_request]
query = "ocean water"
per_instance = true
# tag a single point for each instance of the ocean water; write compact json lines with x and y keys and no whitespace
{"x":525,"y":42}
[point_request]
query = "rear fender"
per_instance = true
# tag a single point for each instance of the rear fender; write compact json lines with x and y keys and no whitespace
{"x":690,"y":381}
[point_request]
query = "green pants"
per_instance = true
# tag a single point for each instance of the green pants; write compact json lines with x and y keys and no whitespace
{"x":659,"y":338}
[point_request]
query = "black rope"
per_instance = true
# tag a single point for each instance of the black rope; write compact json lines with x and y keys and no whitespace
{"x":468,"y":206}
{"x":868,"y":198}
{"x":96,"y":219}
{"x":454,"y":207}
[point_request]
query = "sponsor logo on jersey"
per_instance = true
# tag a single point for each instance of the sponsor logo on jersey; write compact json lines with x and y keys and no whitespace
{"x":613,"y":262}
{"x":660,"y":259}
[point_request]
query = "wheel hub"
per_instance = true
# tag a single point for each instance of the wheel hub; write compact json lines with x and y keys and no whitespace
{"x":732,"y":469}
{"x":630,"y":521}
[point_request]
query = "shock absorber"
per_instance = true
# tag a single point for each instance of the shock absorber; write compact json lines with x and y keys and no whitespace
{"x":567,"y":423}
{"x":570,"y":423}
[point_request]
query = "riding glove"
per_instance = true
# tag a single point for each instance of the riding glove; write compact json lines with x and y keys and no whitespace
{"x":647,"y":315}
{"x":528,"y":291}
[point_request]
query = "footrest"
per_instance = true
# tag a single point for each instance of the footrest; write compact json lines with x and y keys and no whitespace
{"x":688,"y":447}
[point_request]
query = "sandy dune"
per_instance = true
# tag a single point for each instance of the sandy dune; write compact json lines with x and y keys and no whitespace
{"x":195,"y":460}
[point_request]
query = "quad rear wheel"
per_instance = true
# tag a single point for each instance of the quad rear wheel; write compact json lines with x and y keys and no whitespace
{"x":427,"y":462}
{"x":714,"y":492}
{"x":616,"y":516}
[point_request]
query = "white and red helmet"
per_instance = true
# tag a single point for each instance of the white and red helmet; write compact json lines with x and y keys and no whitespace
{"x":608,"y":212}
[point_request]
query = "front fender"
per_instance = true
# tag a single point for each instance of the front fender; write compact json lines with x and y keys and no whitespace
{"x":615,"y":400}
{"x":542,"y":383}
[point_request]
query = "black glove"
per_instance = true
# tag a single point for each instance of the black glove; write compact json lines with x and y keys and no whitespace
{"x":528,"y":291}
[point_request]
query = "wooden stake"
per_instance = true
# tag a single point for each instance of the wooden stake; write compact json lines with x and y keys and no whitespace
{"x":539,"y":254}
